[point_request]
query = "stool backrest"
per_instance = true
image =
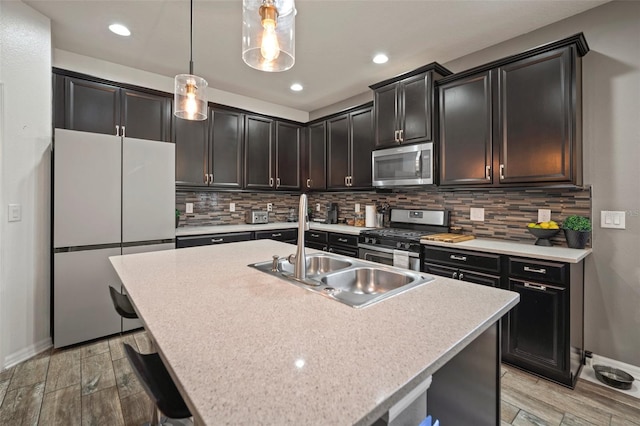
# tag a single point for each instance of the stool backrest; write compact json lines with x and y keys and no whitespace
{"x":122,"y":304}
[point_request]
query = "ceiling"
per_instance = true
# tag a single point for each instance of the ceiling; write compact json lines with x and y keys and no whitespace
{"x":335,"y":39}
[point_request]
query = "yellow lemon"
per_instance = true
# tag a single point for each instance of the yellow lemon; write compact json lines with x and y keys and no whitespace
{"x":554,"y":226}
{"x":544,"y":225}
{"x":531,"y":225}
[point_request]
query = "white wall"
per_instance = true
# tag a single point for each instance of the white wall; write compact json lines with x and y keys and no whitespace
{"x":25,"y":71}
{"x":611,"y":138}
{"x":120,"y":73}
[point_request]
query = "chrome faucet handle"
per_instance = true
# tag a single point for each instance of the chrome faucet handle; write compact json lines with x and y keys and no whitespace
{"x":274,"y":265}
{"x":291,"y":258}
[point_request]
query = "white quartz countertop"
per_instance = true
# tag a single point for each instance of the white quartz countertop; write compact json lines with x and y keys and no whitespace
{"x":248,"y":348}
{"x":560,"y":254}
{"x":222,"y":229}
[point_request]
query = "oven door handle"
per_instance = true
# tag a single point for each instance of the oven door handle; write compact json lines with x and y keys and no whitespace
{"x":385,"y":250}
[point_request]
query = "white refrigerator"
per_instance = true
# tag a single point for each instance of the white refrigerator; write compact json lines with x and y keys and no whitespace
{"x":112,"y":195}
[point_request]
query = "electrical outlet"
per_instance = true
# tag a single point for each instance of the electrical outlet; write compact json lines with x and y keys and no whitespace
{"x":15,"y":212}
{"x":189,"y":207}
{"x":269,"y":207}
{"x":232,"y":207}
{"x":544,"y":215}
{"x":318,"y":207}
{"x":357,"y":209}
{"x":477,"y":214}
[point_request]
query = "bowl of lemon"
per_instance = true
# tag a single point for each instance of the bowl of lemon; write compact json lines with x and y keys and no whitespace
{"x":543,"y":231}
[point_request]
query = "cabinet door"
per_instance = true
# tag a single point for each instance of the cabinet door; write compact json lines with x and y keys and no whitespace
{"x":415,"y":118}
{"x":192,"y":161}
{"x":258,"y":138}
{"x":287,"y":156}
{"x":477,"y":278}
{"x":440,"y":270}
{"x":361,"y":147}
{"x":465,"y":131}
{"x":146,"y":116}
{"x":317,"y":156}
{"x":537,"y":325}
{"x":536,"y":114}
{"x":385,"y":101}
{"x":91,"y":107}
{"x":225,"y":148}
{"x":338,"y":152}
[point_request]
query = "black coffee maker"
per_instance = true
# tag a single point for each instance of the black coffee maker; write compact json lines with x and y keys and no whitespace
{"x":332,"y":213}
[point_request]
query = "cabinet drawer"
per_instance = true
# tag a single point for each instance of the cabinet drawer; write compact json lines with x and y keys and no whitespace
{"x":344,"y":251}
{"x":317,"y":246}
{"x":343,"y":240}
{"x":205,"y":240}
{"x":538,"y":270}
{"x":278,"y":235}
{"x":442,"y":271}
{"x":467,"y":259}
{"x":317,"y":236}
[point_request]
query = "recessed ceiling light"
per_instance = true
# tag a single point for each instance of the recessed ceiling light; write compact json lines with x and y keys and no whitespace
{"x":120,"y":29}
{"x":380,"y":58}
{"x":296,"y":87}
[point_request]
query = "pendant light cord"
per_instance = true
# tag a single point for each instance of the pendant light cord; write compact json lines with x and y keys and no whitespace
{"x":191,"y":41}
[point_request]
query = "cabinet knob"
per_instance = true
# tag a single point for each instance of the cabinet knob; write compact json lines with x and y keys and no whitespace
{"x":123,"y":130}
{"x":461,"y":258}
{"x":536,"y":286}
{"x":270,"y":181}
{"x":501,"y":171}
{"x":455,"y":276}
{"x":308,"y":183}
{"x":277,"y":182}
{"x":461,"y":276}
{"x":487,"y":173}
{"x":117,"y":130}
{"x":401,"y":135}
{"x":217,"y":240}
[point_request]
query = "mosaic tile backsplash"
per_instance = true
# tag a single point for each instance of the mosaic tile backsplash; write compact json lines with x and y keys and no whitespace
{"x":506,"y":213}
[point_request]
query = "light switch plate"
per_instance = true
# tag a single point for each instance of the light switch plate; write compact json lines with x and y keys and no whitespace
{"x":544,"y":215}
{"x":318,"y":207}
{"x":477,"y":214}
{"x":357,"y":209}
{"x":612,"y":219}
{"x":232,"y":207}
{"x":15,"y":212}
{"x":189,"y":207}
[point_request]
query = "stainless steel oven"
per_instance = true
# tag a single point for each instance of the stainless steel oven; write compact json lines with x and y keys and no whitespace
{"x":389,"y":256}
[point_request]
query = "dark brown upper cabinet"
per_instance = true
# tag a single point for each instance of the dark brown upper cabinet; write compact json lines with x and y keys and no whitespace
{"x":102,"y":107}
{"x":516,"y":121}
{"x":349,"y":146}
{"x":272,"y":154}
{"x":404,"y":107}
{"x":466,"y":131}
{"x":209,"y":153}
{"x":316,"y":157}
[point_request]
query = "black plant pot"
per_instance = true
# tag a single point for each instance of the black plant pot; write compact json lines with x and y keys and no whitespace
{"x":177,"y":220}
{"x":576,"y":239}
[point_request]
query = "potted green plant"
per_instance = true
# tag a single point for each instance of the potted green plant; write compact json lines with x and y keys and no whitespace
{"x":577,"y":230}
{"x":177,"y":217}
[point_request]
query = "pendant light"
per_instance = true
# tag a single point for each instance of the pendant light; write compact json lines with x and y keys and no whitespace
{"x":190,"y":99}
{"x":268,"y":34}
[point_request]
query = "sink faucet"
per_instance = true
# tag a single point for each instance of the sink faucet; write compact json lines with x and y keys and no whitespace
{"x":300,"y":258}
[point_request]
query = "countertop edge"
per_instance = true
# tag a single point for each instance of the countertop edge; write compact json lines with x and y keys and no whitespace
{"x":563,"y":254}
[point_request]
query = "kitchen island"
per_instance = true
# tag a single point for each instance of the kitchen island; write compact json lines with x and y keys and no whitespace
{"x":246,"y":348}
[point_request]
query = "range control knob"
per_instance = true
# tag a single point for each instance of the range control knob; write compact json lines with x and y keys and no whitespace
{"x":407,"y":246}
{"x":373,"y":241}
{"x":399,"y":244}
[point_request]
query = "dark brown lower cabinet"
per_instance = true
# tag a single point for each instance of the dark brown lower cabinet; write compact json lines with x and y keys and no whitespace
{"x":536,"y":324}
{"x":544,"y":333}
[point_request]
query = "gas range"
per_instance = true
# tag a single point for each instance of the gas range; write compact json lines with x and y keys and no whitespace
{"x":407,"y":226}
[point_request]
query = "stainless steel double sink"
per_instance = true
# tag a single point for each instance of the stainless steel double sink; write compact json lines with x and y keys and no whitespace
{"x":354,"y":282}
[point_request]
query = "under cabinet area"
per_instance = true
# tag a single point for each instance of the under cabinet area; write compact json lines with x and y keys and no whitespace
{"x":544,"y":333}
{"x":404,"y":108}
{"x":99,"y":106}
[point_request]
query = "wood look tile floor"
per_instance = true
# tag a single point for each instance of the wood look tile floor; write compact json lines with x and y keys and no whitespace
{"x":93,"y":384}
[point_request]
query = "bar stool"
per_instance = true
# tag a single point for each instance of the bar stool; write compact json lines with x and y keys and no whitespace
{"x":158,"y":384}
{"x":123,"y":306}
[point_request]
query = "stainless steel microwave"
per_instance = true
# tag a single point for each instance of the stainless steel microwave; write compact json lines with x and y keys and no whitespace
{"x":409,"y":165}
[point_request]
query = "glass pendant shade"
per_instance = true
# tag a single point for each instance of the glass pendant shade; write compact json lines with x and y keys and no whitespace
{"x":268,"y":34}
{"x":190,"y":100}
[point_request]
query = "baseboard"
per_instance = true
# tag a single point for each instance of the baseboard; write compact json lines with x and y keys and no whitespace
{"x":588,"y":373}
{"x":26,"y":353}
